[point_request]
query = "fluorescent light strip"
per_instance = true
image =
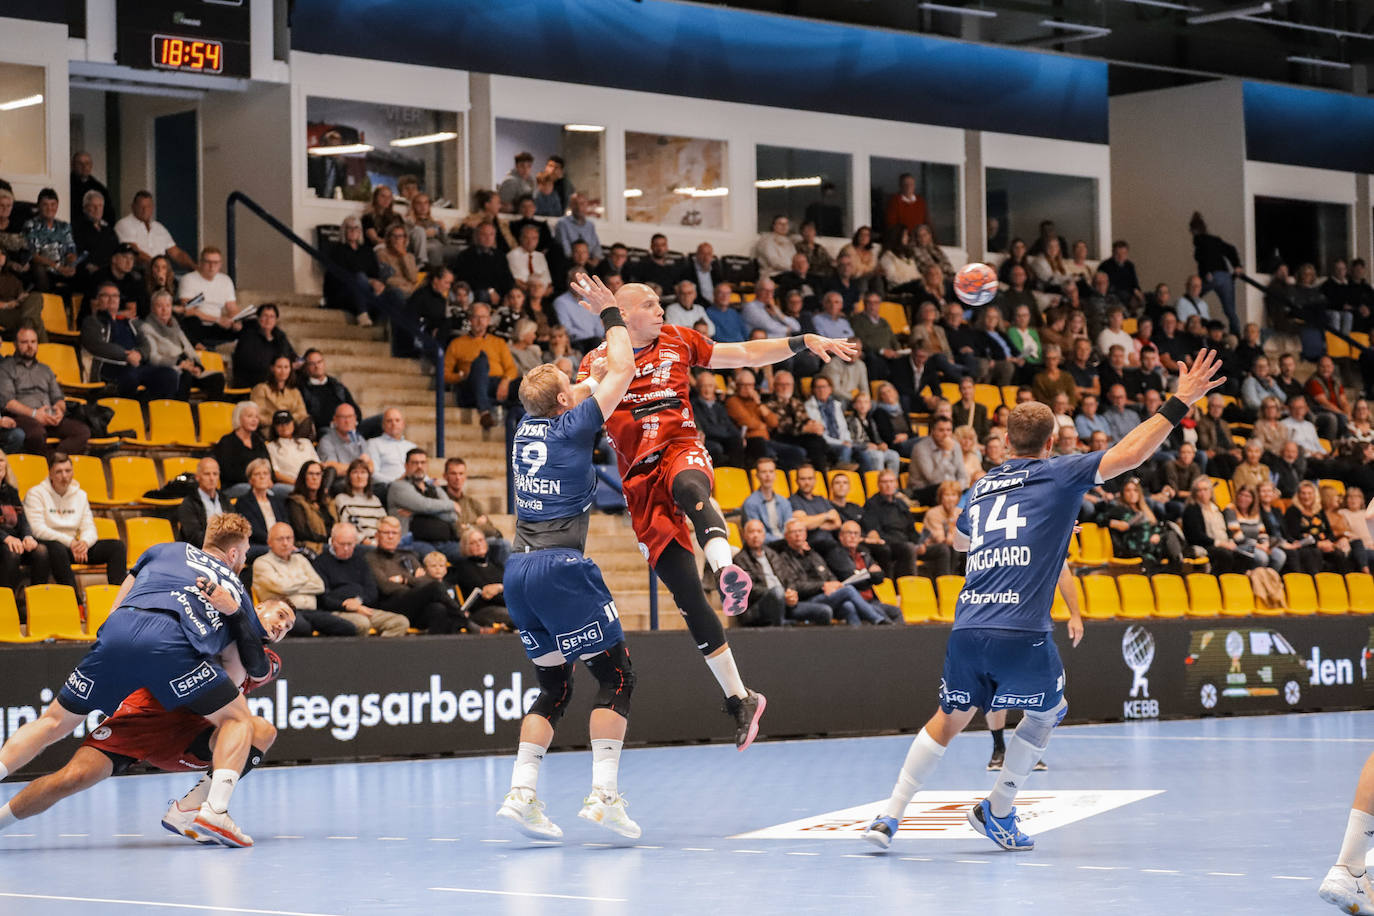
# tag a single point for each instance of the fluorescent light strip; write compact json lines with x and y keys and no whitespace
{"x":634,"y":192}
{"x":1303,"y":27}
{"x":1164,"y":5}
{"x":26,"y":102}
{"x":1089,"y":31}
{"x":959,"y":10}
{"x":768,"y":183}
{"x":1318,"y":62}
{"x":701,"y":192}
{"x":584,"y":128}
{"x":1233,"y":13}
{"x":422,"y":139}
{"x":346,"y":149}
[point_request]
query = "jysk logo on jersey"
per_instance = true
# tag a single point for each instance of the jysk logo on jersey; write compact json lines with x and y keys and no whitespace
{"x":1018,"y":701}
{"x":79,"y":684}
{"x":589,"y":635}
{"x":193,"y":680}
{"x":528,"y":639}
{"x":999,"y":482}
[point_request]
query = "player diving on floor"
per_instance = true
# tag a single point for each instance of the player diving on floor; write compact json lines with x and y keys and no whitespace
{"x":178,"y":609}
{"x":1001,"y":652}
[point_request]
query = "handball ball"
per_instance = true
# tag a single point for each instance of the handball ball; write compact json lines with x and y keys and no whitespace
{"x":975,"y":284}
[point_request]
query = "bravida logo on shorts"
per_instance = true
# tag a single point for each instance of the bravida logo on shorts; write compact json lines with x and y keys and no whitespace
{"x":1017,"y":701}
{"x":193,"y":680}
{"x":589,"y":635}
{"x":79,"y":684}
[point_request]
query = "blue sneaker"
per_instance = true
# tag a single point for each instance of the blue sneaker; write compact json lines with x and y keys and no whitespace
{"x":1004,"y":831}
{"x":881,"y":831}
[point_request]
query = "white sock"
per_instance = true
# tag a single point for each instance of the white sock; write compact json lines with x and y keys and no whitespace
{"x":222,"y":784}
{"x":727,"y":674}
{"x":606,"y":764}
{"x":6,"y":817}
{"x":196,"y":797}
{"x":1022,"y":756}
{"x":718,"y":553}
{"x":4,"y":771}
{"x":921,"y":760}
{"x":526,"y":772}
{"x":1359,"y":831}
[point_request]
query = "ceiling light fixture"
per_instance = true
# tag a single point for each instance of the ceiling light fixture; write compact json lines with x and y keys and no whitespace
{"x":1236,"y":12}
{"x":959,"y":10}
{"x":584,"y":128}
{"x":422,"y":139}
{"x":634,"y":192}
{"x":702,"y":192}
{"x":1164,"y":5}
{"x":1304,"y":27}
{"x":26,"y":102}
{"x":773,"y":183}
{"x":1317,"y":62}
{"x":345,"y":149}
{"x":1084,"y":33}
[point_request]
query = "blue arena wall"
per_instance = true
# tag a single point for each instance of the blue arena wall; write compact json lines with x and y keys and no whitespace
{"x":1324,"y":130}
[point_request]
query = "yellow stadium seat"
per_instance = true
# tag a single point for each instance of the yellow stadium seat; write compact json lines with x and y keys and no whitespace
{"x":1360,"y":587}
{"x":216,"y":420}
{"x":61,"y":359}
{"x":780,"y":483}
{"x":819,"y":489}
{"x":29,"y":470}
{"x":99,"y":605}
{"x":1360,"y":338}
{"x":949,"y":391}
{"x":55,"y":320}
{"x":53,"y":613}
{"x":856,"y":485}
{"x":1331,"y":596}
{"x":1137,"y":601}
{"x":213,"y":362}
{"x":1130,"y":325}
{"x":1171,"y":598}
{"x":805,"y":385}
{"x":1302,"y":594}
{"x":134,"y":475}
{"x":1108,"y":549}
{"x":917,"y":597}
{"x":1059,"y":609}
{"x":1237,"y":597}
{"x":1104,"y":602}
{"x":1325,"y":444}
{"x":106,"y":529}
{"x":1009,"y":395}
{"x":128,"y":415}
{"x":948,"y":588}
{"x":1338,"y":485}
{"x":895,"y":315}
{"x":870,"y":481}
{"x":180,"y":464}
{"x":1336,"y":348}
{"x":1204,"y":596}
{"x":1091,"y":551}
{"x":145,"y":532}
{"x":732,"y":488}
{"x":886,"y":592}
{"x":990,"y":396}
{"x":170,"y":421}
{"x":89,"y":472}
{"x":732,"y":536}
{"x":9,"y":620}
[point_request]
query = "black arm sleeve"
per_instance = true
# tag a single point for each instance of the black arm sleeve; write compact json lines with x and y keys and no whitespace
{"x":251,"y":650}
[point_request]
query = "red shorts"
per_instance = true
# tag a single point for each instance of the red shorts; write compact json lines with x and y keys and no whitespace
{"x":142,"y":730}
{"x":657,"y":520}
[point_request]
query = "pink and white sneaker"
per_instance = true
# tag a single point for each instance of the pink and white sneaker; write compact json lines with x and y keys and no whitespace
{"x":735,"y":586}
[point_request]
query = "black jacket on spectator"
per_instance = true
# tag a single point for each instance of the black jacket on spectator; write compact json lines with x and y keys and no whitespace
{"x":891,"y":518}
{"x":431,"y":309}
{"x":647,"y":271}
{"x":1213,"y":254}
{"x":322,"y":400}
{"x":482,"y":270}
{"x":1122,"y":277}
{"x":714,"y":421}
{"x":850,"y":292}
{"x":842,"y":565}
{"x":255,"y":354}
{"x":545,"y":236}
{"x":79,"y":187}
{"x":13,"y":522}
{"x":1289,"y":476}
{"x":804,"y":571}
{"x":474,"y":572}
{"x":191,"y":518}
{"x":353,"y":261}
{"x":889,"y":425}
{"x":233,"y":457}
{"x":130,"y":290}
{"x":98,"y":241}
{"x":344,"y":579}
{"x":247,"y":506}
{"x":689,"y":273}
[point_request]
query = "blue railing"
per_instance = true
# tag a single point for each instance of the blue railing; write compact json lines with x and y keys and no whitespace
{"x":401,"y":323}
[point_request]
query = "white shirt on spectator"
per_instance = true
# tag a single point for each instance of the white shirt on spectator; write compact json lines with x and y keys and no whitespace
{"x":757,"y":315}
{"x":1187,"y":308}
{"x":529,"y":265}
{"x":1107,"y":338}
{"x":218,"y":292}
{"x":388,"y":457}
{"x":685,"y":318}
{"x":289,"y":455}
{"x":152,"y":239}
{"x":1305,"y":434}
{"x":774,"y":253}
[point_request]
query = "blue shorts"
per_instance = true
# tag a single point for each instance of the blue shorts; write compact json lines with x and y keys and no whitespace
{"x":1001,"y":669}
{"x":560,"y":603}
{"x":137,"y":648}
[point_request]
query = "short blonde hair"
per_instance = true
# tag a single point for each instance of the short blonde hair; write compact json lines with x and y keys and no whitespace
{"x":540,"y":388}
{"x":436,"y":556}
{"x":226,"y":530}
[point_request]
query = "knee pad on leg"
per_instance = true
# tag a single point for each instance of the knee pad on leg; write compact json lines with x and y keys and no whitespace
{"x":692,"y":494}
{"x":1035,"y":728}
{"x":616,"y":678}
{"x":555,"y":692}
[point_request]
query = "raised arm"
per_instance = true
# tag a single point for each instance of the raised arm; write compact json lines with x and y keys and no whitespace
{"x":1143,"y":441}
{"x":609,"y":390}
{"x":776,"y":349}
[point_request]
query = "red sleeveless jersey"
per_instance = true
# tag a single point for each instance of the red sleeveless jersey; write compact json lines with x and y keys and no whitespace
{"x":656,"y":411}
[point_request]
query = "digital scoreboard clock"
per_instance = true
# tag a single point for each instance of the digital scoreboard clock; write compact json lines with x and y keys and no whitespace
{"x":210,"y":37}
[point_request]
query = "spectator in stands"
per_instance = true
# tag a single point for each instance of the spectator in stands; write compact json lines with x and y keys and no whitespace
{"x":893,"y":425}
{"x":480,"y":368}
{"x":874,"y":333}
{"x":364,"y":275}
{"x":1246,"y":528}
{"x":822,"y":264}
{"x":342,"y":444}
{"x":806,"y":573}
{"x":1360,"y":428}
{"x":1214,"y":439}
{"x":1361,"y":294}
{"x":1353,"y":552}
{"x":1172,"y":342}
{"x":381,"y":217}
{"x":1026,"y":341}
{"x":420,"y":221}
{"x":1120,"y":271}
{"x":1285,"y":379}
{"x":726,"y":321}
{"x":1119,"y":416}
{"x":1180,"y":472}
{"x":428,"y":305}
{"x":166,"y":346}
{"x":888,"y":513}
{"x":428,"y":518}
{"x":1356,"y":515}
{"x":764,"y":313}
{"x":1218,"y":263}
{"x":1260,"y":385}
{"x":927,"y":253}
{"x":202,"y":505}
{"x":31,"y":396}
{"x":814,"y":510}
{"x":1306,"y":522}
{"x":934,"y":459}
{"x":870,"y":450}
{"x":484,"y":267}
{"x":209,"y":301}
{"x":19,"y":547}
{"x":765,"y":504}
{"x":906,"y":208}
{"x":524,"y":205}
{"x":518,"y":181}
{"x":849,"y":556}
{"x":1250,"y":472}
{"x":617,"y":262}
{"x":795,"y":426}
{"x":480,"y":571}
{"x":52,"y":265}
{"x":1049,"y":268}
{"x":486,"y":210}
{"x":469,"y":513}
{"x":310,"y":509}
{"x":995,"y":448}
{"x":686,"y":312}
{"x":1301,"y":430}
{"x":356,"y":503}
{"x":1053,"y":380}
{"x":1114,"y":334}
{"x":864,"y":252}
{"x":758,"y":422}
{"x":283,"y":572}
{"x":799,"y":277}
{"x":260,"y":345}
{"x":387,"y":452}
{"x":1204,"y":526}
{"x":938,"y":528}
{"x":774,"y":249}
{"x":1151,"y":376}
{"x":900,"y":271}
{"x":721,"y":436}
{"x":94,"y":238}
{"x":288,"y":451}
{"x":279,"y":392}
{"x":1329,"y":400}
{"x":929,"y":336}
{"x":323,"y":394}
{"x":840,"y":488}
{"x":1083,"y":368}
{"x":846,"y":282}
{"x":59,"y":514}
{"x":262,"y":502}
{"x":83,"y":182}
{"x":238,"y":448}
{"x":767,"y":600}
{"x":658,"y":268}
{"x":583,"y":329}
{"x":401,"y":272}
{"x":577,"y":227}
{"x":1137,"y":532}
{"x":1191,"y":302}
{"x":523,"y":350}
{"x":998,"y":359}
{"x":1289,"y":467}
{"x":18,"y":306}
{"x":528,"y":266}
{"x":968,"y":412}
{"x":351,"y":589}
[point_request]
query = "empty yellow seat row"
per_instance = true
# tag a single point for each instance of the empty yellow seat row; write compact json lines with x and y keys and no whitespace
{"x":1229,"y":595}
{"x":54,"y":614}
{"x":130,"y":476}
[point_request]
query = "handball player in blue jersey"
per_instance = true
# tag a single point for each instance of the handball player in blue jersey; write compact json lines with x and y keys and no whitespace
{"x":554,"y":593}
{"x":1001,"y":652}
{"x":177,"y":610}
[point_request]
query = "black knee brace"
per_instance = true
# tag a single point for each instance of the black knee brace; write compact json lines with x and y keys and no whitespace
{"x":613,"y":672}
{"x":555,"y":691}
{"x":678,"y":569}
{"x":692,"y":493}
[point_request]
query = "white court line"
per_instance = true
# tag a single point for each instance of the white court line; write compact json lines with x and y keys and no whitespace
{"x":444,"y":839}
{"x":655,"y":847}
{"x":803,"y":853}
{"x":474,"y":890}
{"x":73,"y":835}
{"x":496,"y":841}
{"x":972,"y":861}
{"x":750,"y":852}
{"x":904,"y":858}
{"x":126,"y":834}
{"x":1160,"y":871}
{"x":1036,"y":864}
{"x":14,"y":836}
{"x":697,"y":849}
{"x":1227,"y":874}
{"x":1291,"y":878}
{"x":172,"y":906}
{"x":340,"y":838}
{"x":288,"y":836}
{"x":390,"y":839}
{"x":1101,"y":867}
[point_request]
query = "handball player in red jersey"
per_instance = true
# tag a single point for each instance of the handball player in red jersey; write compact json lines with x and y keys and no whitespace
{"x":668,"y":477}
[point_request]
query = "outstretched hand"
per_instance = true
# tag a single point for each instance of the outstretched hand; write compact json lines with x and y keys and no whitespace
{"x":1198,"y":379}
{"x":825,"y":347}
{"x":592,"y":294}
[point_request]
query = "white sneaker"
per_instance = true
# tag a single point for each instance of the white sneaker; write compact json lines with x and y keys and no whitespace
{"x":608,"y":810}
{"x":220,"y":827}
{"x":1342,"y":889}
{"x":527,"y":814}
{"x":182,"y":821}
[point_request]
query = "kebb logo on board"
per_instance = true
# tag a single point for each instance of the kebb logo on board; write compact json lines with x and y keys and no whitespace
{"x":1138,"y":652}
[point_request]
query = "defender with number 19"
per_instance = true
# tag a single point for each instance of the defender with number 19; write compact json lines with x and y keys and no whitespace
{"x":1001,"y":652}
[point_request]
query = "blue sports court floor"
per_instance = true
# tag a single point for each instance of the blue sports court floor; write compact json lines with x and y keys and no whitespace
{"x":1218,"y":817}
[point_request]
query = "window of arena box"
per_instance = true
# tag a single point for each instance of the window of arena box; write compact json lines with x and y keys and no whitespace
{"x":352,"y":147}
{"x":803,"y":184}
{"x":1018,"y":202}
{"x":23,"y":121}
{"x":1297,"y":232}
{"x":581,"y":146}
{"x":676,"y":181}
{"x":936,"y":182}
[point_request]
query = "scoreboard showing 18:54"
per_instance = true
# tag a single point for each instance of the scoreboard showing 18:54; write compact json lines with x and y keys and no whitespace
{"x":209,"y":37}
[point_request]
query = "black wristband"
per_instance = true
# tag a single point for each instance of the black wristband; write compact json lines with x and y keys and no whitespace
{"x":611,"y":317}
{"x":1174,"y":410}
{"x":797,"y":342}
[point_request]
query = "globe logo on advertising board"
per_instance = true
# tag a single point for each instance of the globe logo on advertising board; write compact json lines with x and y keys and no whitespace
{"x":1138,"y":652}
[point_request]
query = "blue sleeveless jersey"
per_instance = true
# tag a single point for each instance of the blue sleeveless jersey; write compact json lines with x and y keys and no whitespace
{"x":165,"y":578}
{"x":1018,"y":520}
{"x":554,"y":480}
